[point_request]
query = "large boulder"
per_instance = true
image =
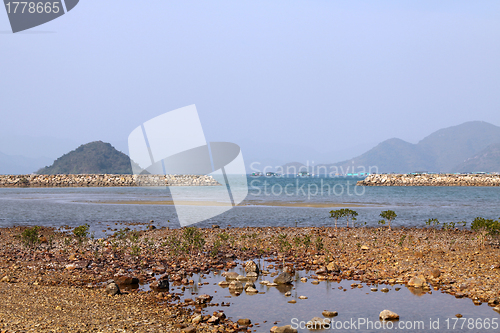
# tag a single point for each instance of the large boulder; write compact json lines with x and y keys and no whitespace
{"x":283,"y":278}
{"x":112,"y":288}
{"x":251,"y":266}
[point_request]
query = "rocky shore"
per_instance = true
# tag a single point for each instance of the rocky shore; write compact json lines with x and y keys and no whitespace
{"x":430,"y":180}
{"x":105,"y":180}
{"x":52,"y":281}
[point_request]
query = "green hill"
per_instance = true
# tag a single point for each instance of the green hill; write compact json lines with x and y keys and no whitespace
{"x":92,"y":158}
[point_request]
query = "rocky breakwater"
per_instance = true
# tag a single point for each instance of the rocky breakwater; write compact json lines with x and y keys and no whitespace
{"x":430,"y":180}
{"x":105,"y":180}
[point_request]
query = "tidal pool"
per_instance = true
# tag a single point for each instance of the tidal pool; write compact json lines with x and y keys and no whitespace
{"x":358,"y":307}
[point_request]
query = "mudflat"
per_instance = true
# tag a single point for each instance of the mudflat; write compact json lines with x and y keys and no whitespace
{"x":57,"y":282}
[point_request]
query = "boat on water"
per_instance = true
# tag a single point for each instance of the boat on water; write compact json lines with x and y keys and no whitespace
{"x":257,"y":174}
{"x":273,"y":174}
{"x":304,"y":174}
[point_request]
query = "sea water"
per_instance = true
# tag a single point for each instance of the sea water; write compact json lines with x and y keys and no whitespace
{"x":271,"y":201}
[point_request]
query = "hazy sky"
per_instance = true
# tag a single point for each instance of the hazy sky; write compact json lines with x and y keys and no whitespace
{"x":324,"y":74}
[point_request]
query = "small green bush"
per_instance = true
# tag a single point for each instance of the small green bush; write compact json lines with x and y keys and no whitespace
{"x":193,"y":238}
{"x":134,"y":236}
{"x":492,"y":227}
{"x":307,"y":241}
{"x":350,"y":214}
{"x":283,"y":243}
{"x":319,"y":244}
{"x":215,"y":249}
{"x":389,"y":215}
{"x":30,"y":236}
{"x":81,"y":231}
{"x":336,"y":214}
{"x":344,"y":212}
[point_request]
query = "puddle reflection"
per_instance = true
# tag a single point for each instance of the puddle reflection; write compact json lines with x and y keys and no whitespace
{"x":353,"y":301}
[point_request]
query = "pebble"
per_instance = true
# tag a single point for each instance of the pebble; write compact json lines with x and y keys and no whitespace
{"x":251,"y":290}
{"x":317,"y":323}
{"x":388,"y":315}
{"x":283,"y":329}
{"x":329,"y":313}
{"x":244,"y":322}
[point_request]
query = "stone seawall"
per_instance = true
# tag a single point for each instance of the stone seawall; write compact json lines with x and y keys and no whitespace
{"x":105,"y":180}
{"x":430,"y":180}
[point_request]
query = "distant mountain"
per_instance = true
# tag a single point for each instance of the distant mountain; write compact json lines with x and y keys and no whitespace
{"x":18,"y":165}
{"x":442,"y":151}
{"x":451,"y":146}
{"x":92,"y":158}
{"x":268,"y":154}
{"x":487,"y":160}
{"x":395,"y":155}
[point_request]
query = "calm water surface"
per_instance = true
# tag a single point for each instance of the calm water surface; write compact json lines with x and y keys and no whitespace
{"x":414,"y":205}
{"x":354,"y":304}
